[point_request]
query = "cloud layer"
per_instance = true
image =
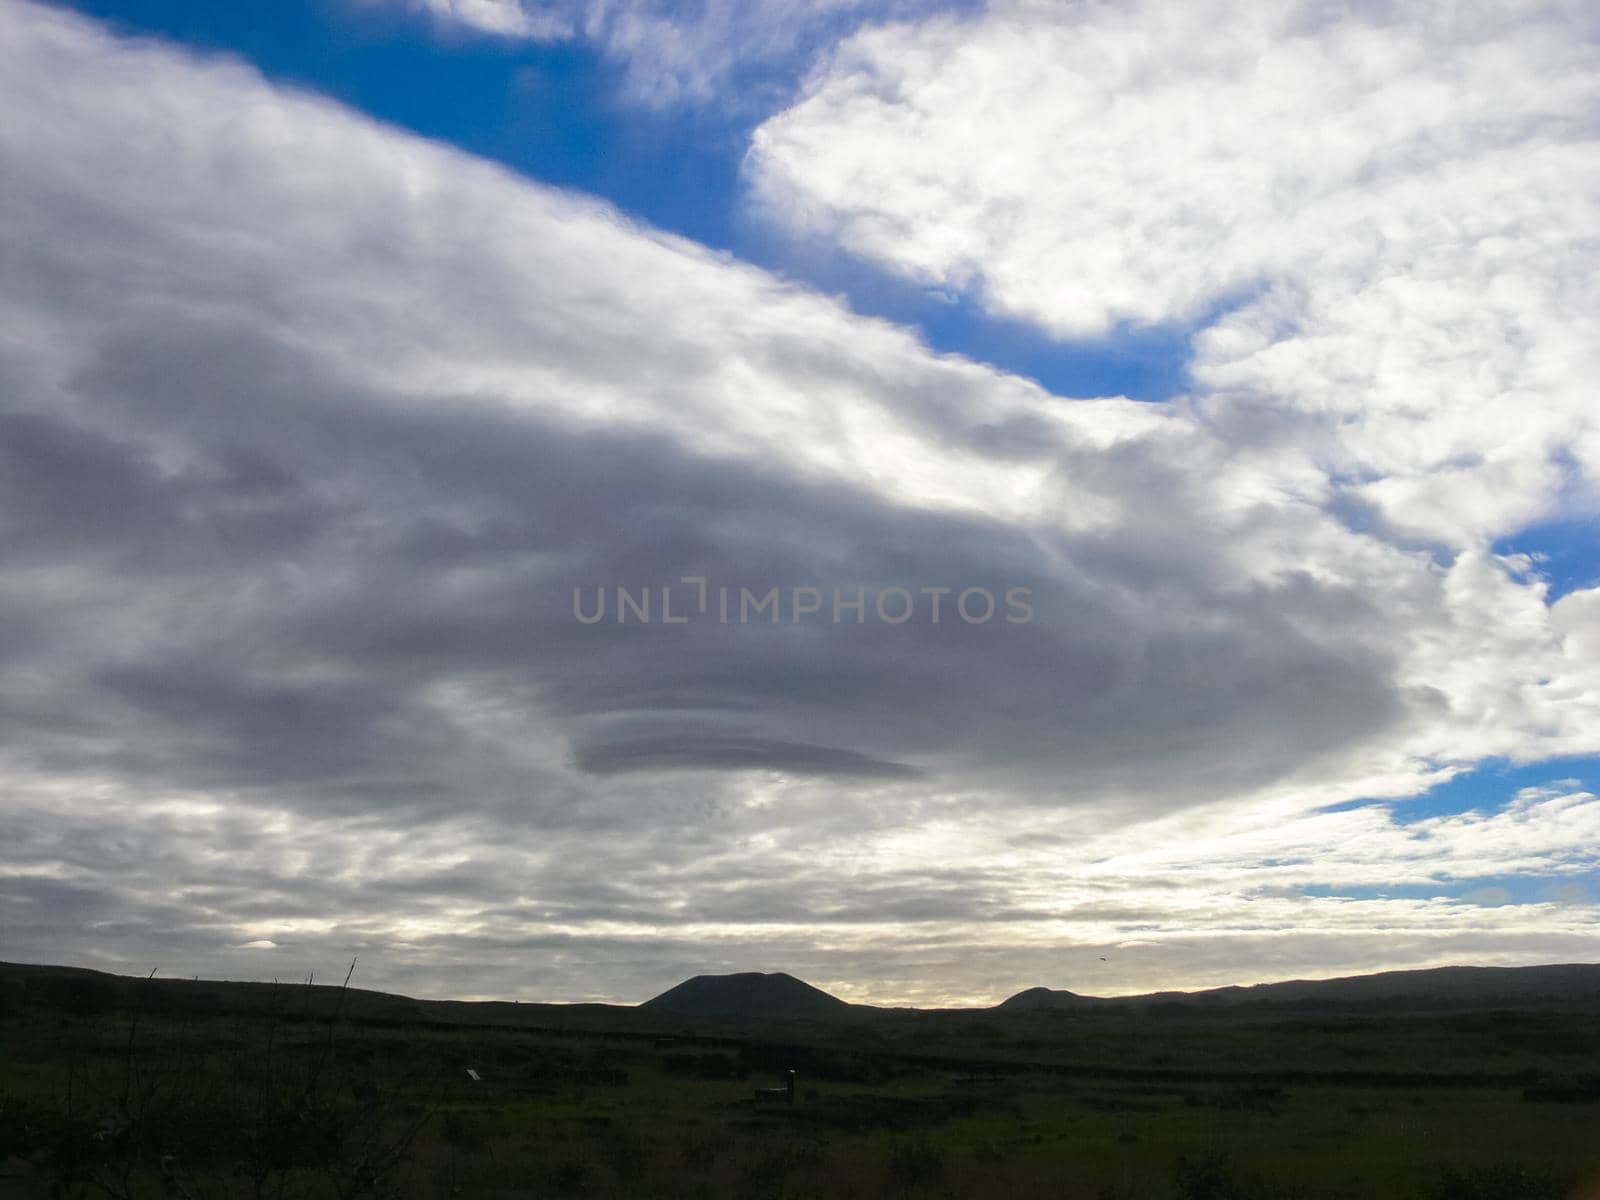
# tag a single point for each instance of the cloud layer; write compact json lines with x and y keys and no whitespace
{"x":310,"y":429}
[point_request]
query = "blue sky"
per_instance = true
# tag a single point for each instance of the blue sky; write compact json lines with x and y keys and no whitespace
{"x":1565,"y":553}
{"x":1492,"y":783}
{"x":1257,"y":351}
{"x":548,"y":111}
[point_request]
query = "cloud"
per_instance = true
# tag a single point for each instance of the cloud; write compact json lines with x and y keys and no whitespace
{"x":311,"y":428}
{"x":1546,"y":832}
{"x":743,"y":56}
{"x":1375,"y":219}
{"x":501,"y":18}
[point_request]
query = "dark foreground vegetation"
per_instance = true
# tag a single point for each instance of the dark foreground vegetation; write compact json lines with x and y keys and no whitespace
{"x":124,"y":1088}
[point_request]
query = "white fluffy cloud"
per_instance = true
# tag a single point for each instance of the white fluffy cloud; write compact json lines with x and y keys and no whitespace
{"x":741,"y":55}
{"x":502,"y":18}
{"x":1379,"y":218}
{"x":310,"y":427}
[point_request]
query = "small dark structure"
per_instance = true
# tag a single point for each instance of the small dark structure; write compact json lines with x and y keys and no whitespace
{"x":779,"y":1095}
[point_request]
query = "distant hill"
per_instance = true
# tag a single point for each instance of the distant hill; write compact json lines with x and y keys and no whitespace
{"x":746,"y":994}
{"x":1439,"y":987}
{"x":1043,"y":997}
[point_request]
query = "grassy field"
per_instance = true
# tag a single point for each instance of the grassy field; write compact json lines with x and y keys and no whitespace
{"x":297,"y":1094}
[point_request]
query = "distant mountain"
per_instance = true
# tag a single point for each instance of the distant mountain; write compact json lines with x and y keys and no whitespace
{"x":747,"y":994}
{"x":1447,"y":987}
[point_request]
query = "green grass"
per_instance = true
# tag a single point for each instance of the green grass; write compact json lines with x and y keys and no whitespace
{"x":292,"y":1100}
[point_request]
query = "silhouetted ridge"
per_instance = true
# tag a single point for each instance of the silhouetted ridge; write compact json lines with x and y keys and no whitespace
{"x":749,"y":993}
{"x":1436,"y":987}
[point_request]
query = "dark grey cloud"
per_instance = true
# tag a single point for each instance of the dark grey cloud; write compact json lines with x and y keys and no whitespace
{"x":443,"y":544}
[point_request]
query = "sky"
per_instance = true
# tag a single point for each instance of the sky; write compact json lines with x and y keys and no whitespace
{"x":550,"y":498}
